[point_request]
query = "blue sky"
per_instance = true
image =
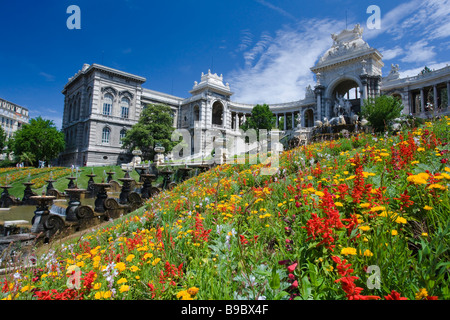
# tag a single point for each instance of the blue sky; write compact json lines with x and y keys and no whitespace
{"x":263,"y":48}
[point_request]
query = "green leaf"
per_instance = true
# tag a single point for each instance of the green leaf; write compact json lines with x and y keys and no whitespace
{"x":274,"y":280}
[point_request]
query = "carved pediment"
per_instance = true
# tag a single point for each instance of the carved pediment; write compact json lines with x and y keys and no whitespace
{"x":127,"y":94}
{"x":110,"y":90}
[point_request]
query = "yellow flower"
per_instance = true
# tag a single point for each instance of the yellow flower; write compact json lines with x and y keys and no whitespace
{"x":97,"y":286}
{"x":71,"y":269}
{"x":368,"y":253}
{"x":184,"y":295}
{"x":428,"y":208}
{"x":319,"y":193}
{"x":148,"y":255}
{"x":338,"y":204}
{"x":155,"y":262}
{"x":364,"y":228}
{"x":421,"y":294}
{"x":122,"y":280}
{"x":401,"y":220}
{"x":124,"y":288}
{"x":424,"y":234}
{"x":134,"y":268}
{"x":377,"y":208}
{"x":365,"y":205}
{"x":120,"y":266}
{"x":394,"y":232}
{"x":192,"y":291}
{"x":348,"y":251}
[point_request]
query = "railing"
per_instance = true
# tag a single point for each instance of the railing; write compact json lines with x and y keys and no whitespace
{"x":432,"y":113}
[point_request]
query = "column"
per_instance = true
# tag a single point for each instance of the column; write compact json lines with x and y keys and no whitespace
{"x":448,"y":94}
{"x":319,"y":106}
{"x":277,"y":120}
{"x":436,"y":100}
{"x":293,"y":121}
{"x":422,"y":100}
{"x":236,"y":122}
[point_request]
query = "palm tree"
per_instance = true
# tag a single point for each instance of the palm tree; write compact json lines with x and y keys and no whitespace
{"x":28,"y":158}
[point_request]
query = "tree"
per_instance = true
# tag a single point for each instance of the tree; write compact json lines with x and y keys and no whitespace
{"x":27,"y":157}
{"x":155,"y":126}
{"x":262,"y":118}
{"x":3,"y":139}
{"x":39,"y":138}
{"x":381,"y":111}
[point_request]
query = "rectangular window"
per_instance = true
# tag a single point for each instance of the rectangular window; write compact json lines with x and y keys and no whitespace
{"x":125,"y":112}
{"x":107,"y":109}
{"x":105,"y":136}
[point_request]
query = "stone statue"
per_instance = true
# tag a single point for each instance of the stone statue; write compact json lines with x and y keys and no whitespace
{"x":299,"y":121}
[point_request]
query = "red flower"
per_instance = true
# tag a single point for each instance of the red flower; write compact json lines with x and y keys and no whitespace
{"x":292,"y":267}
{"x":394,"y":295}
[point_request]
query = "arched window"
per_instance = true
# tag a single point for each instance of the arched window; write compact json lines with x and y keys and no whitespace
{"x":196,"y":113}
{"x":125,"y":107}
{"x":123,"y":132}
{"x":107,"y":104}
{"x":217,"y":113}
{"x":106,"y":133}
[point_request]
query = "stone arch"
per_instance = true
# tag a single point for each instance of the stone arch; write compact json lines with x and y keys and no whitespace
{"x":218,"y":112}
{"x":349,"y":88}
{"x":308,"y":118}
{"x":196,"y":113}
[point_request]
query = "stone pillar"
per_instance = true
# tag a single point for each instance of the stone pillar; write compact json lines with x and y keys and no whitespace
{"x":236,"y":121}
{"x":293,"y":120}
{"x":285,"y":122}
{"x":436,"y":100}
{"x":448,"y":94}
{"x":364,"y":94}
{"x":422,"y":100}
{"x":277,"y":120}
{"x":319,"y":90}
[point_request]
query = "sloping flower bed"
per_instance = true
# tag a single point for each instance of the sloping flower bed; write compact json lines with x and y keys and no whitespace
{"x":361,"y":218}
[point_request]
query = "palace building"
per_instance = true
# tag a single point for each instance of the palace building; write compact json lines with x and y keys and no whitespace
{"x":13,"y":117}
{"x":102,"y":103}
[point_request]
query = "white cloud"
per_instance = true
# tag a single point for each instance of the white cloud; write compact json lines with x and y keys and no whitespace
{"x":389,"y":54}
{"x":47,"y":77}
{"x":277,"y":68}
{"x":419,"y":51}
{"x":415,"y":71}
{"x":276,"y":9}
{"x":430,"y":19}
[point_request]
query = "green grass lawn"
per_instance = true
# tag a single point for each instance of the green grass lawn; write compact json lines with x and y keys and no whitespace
{"x":17,"y":186}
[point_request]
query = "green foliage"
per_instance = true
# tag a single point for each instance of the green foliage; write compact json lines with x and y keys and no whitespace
{"x":381,"y":110}
{"x":155,"y":126}
{"x":262,"y":118}
{"x":39,"y":138}
{"x":2,"y":138}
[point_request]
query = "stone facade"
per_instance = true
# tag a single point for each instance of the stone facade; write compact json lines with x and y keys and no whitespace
{"x":13,"y":117}
{"x":347,"y":74}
